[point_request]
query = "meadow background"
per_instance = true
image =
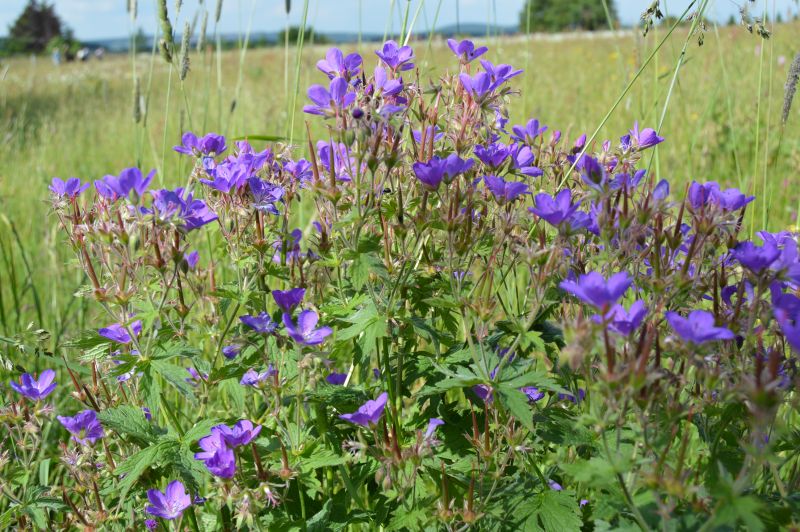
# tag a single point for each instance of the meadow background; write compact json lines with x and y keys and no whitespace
{"x":720,"y":114}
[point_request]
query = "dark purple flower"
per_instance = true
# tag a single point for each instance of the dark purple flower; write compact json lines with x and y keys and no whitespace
{"x":572,"y":398}
{"x":455,"y":165}
{"x":369,"y":413}
{"x":242,"y":433}
{"x":554,"y":210}
{"x":533,"y":393}
{"x":505,"y":191}
{"x":623,"y":321}
{"x":266,"y":195}
{"x":756,"y":258}
{"x":305,"y":332}
{"x":330,"y":101}
{"x":698,"y":327}
{"x":191,"y":258}
{"x":288,"y":300}
{"x":209,"y":144}
{"x":645,"y":138}
{"x":170,"y":504}
{"x":151,"y":524}
{"x":626,"y":181}
{"x":84,"y":427}
{"x":579,"y":144}
{"x":430,"y":174}
{"x":701,"y":194}
{"x":478,"y":86}
{"x":70,"y":188}
{"x":336,"y":64}
{"x":261,"y":323}
{"x":786,"y":308}
{"x":336,"y":378}
{"x":292,"y":247}
{"x":300,"y":170}
{"x":527,"y":134}
{"x":465,"y":50}
{"x":231,"y":351}
{"x":499,"y":74}
{"x":522,"y":159}
{"x":129,"y":180}
{"x":592,"y":172}
{"x":222,"y":463}
{"x":36,"y":389}
{"x":432,"y":424}
{"x":396,"y":57}
{"x":117,"y":333}
{"x":593,"y":288}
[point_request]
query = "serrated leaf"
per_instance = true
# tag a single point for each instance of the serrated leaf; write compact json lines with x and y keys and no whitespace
{"x":128,"y":421}
{"x":517,"y":404}
{"x":175,"y":375}
{"x":321,"y":457}
{"x":319,"y":521}
{"x":553,"y":511}
{"x":135,"y":465}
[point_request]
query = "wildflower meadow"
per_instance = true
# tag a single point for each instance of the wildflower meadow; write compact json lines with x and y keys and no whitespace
{"x":420,"y":313}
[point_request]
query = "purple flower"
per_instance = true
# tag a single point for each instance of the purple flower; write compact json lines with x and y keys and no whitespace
{"x":478,"y":86}
{"x":527,"y":134}
{"x":396,"y":57}
{"x":129,"y":180}
{"x":465,"y":50}
{"x":522,"y":159}
{"x":194,"y":377}
{"x":661,"y":191}
{"x":117,"y":333}
{"x":288,"y":300}
{"x":571,"y":398}
{"x":430,"y":130}
{"x":505,"y":191}
{"x":645,"y":138}
{"x":430,"y":174}
{"x":261,"y":323}
{"x":242,"y":433}
{"x":592,"y":172}
{"x":554,"y":210}
{"x":304,"y":332}
{"x":499,"y":74}
{"x":227,"y":175}
{"x":211,"y":444}
{"x":388,"y":87}
{"x":293,"y":247}
{"x":701,"y":194}
{"x":300,"y":170}
{"x":151,"y":524}
{"x":330,"y":101}
{"x":698,"y":327}
{"x":337,"y":158}
{"x":621,"y":321}
{"x":555,"y":486}
{"x":579,"y":144}
{"x":493,"y":155}
{"x":265,"y":195}
{"x":336,"y":64}
{"x":432,"y":424}
{"x":756,"y":258}
{"x":593,"y":288}
{"x":71,"y":188}
{"x":533,"y":393}
{"x":231,"y":351}
{"x":209,"y":144}
{"x":369,"y":413}
{"x":191,"y":259}
{"x":455,"y":165}
{"x":84,"y":427}
{"x":222,"y":463}
{"x":171,"y":206}
{"x":626,"y":181}
{"x":254,"y":378}
{"x":786,"y":308}
{"x":36,"y":389}
{"x":336,"y":379}
{"x":170,"y":504}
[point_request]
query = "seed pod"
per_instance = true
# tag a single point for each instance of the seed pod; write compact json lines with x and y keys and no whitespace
{"x":790,"y":88}
{"x":166,"y":44}
{"x":201,"y":38}
{"x":187,"y":35}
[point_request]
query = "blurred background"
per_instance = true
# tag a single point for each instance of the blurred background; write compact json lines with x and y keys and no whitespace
{"x":86,"y":90}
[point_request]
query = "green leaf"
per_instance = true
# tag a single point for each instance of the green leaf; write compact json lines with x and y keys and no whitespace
{"x":175,"y":375}
{"x":135,"y":465}
{"x":322,"y":457}
{"x":517,"y":404}
{"x":553,"y":511}
{"x":363,"y":265}
{"x":200,"y":429}
{"x":319,"y":521}
{"x":128,"y":421}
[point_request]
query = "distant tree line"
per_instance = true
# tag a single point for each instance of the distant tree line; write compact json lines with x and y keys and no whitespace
{"x":37,"y":29}
{"x":563,"y":15}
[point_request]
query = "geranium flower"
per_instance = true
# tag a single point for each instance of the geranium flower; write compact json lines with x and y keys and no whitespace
{"x":465,"y":50}
{"x":129,"y":180}
{"x":261,"y":323}
{"x":209,"y":144}
{"x":593,"y":288}
{"x":396,"y":57}
{"x":337,"y":64}
{"x":698,"y":327}
{"x":117,"y":333}
{"x":33,"y":388}
{"x":171,"y":503}
{"x":305,"y":332}
{"x":287,"y":300}
{"x":70,"y":188}
{"x":84,"y":427}
{"x":330,"y":101}
{"x":369,"y":413}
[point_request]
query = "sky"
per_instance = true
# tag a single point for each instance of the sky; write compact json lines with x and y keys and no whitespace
{"x":99,"y":19}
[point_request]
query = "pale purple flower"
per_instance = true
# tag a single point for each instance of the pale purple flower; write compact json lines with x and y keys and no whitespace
{"x":242,"y":433}
{"x":465,"y":50}
{"x":528,"y":133}
{"x":454,"y":166}
{"x":266,"y":195}
{"x":555,"y":486}
{"x":70,"y":188}
{"x":151,"y":524}
{"x":253,"y":378}
{"x":499,"y":74}
{"x":396,"y":57}
{"x":231,"y":351}
{"x":430,"y":130}
{"x":432,"y":424}
{"x":261,"y":323}
{"x":287,"y":300}
{"x":113,"y":187}
{"x":171,"y":503}
{"x":211,"y":444}
{"x":336,"y":64}
{"x":209,"y":144}
{"x":533,"y":393}
{"x":522,"y":159}
{"x":180,"y":208}
{"x":622,"y":321}
{"x":645,"y":138}
{"x":756,"y":258}
{"x":84,"y":427}
{"x":369,"y":413}
{"x":305,"y":332}
{"x":387,"y":87}
{"x":117,"y":333}
{"x":33,"y":388}
{"x":191,"y":258}
{"x":478,"y":86}
{"x":332,"y":100}
{"x":554,"y":210}
{"x":698,"y":327}
{"x":592,"y":288}
{"x":300,"y":170}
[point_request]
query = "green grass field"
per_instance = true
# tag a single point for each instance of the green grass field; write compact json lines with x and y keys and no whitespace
{"x":722,"y":122}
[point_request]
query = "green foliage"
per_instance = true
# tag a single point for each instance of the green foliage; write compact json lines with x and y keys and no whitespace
{"x":557,"y":15}
{"x":37,"y":27}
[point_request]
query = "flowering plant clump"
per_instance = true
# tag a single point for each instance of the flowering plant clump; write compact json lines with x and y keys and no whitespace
{"x":427,"y":320}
